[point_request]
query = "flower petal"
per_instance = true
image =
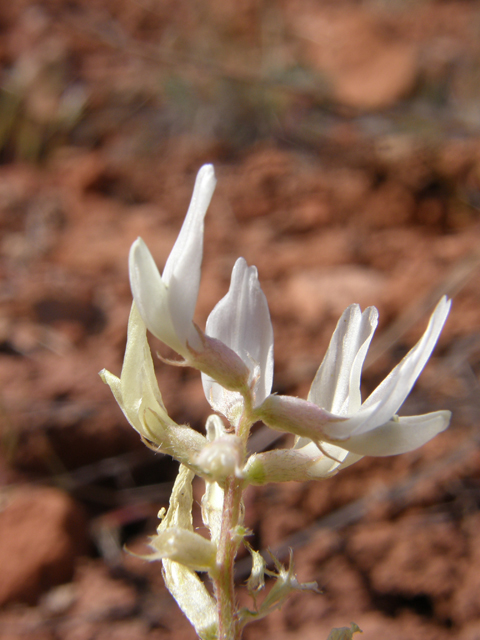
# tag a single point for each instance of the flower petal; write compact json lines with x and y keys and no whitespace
{"x":181,"y":274}
{"x":151,"y":296}
{"x":397,"y":436}
{"x":336,"y":386}
{"x":388,"y":397}
{"x":241,"y":320}
{"x":167,"y":303}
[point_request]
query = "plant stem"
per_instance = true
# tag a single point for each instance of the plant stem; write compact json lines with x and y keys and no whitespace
{"x":228,"y":627}
{"x":227,"y":550}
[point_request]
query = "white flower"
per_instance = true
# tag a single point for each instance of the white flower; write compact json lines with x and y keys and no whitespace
{"x":241,"y":321}
{"x":167,"y":302}
{"x":334,"y":412}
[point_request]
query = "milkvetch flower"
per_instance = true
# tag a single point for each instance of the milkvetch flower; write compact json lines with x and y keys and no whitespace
{"x":241,"y":321}
{"x":334,"y":412}
{"x":167,"y":302}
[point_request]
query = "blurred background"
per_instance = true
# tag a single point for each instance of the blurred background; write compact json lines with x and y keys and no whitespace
{"x":346,"y":140}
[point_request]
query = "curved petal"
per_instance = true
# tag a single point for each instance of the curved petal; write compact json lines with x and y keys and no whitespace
{"x":167,"y":303}
{"x":388,"y":397}
{"x":241,"y":320}
{"x":181,"y":274}
{"x":336,"y":386}
{"x":151,"y":296}
{"x":397,"y":436}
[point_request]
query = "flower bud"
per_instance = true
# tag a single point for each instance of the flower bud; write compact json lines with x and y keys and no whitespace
{"x":222,"y":458}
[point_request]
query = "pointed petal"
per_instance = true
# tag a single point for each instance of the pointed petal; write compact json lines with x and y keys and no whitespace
{"x":400,"y":435}
{"x":388,"y":397}
{"x":167,"y":303}
{"x":152,"y":297}
{"x":336,"y":386}
{"x":241,"y":320}
{"x":115,"y":387}
{"x":181,"y":274}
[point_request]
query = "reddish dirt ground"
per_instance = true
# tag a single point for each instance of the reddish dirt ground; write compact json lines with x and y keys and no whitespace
{"x":346,"y":142}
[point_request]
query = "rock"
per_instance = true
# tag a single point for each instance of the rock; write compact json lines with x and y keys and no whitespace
{"x":42,"y":532}
{"x":367,"y":64}
{"x":316,"y":293}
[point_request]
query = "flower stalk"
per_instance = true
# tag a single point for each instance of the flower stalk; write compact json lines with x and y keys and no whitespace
{"x":334,"y":428}
{"x":228,"y":628}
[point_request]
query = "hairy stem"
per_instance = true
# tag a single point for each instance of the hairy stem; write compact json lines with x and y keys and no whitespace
{"x":227,"y":550}
{"x":228,"y":626}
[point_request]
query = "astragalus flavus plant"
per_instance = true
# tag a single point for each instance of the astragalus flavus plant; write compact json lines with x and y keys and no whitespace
{"x":234,"y":355}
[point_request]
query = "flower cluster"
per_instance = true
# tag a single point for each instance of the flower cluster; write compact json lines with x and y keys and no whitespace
{"x":334,"y":428}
